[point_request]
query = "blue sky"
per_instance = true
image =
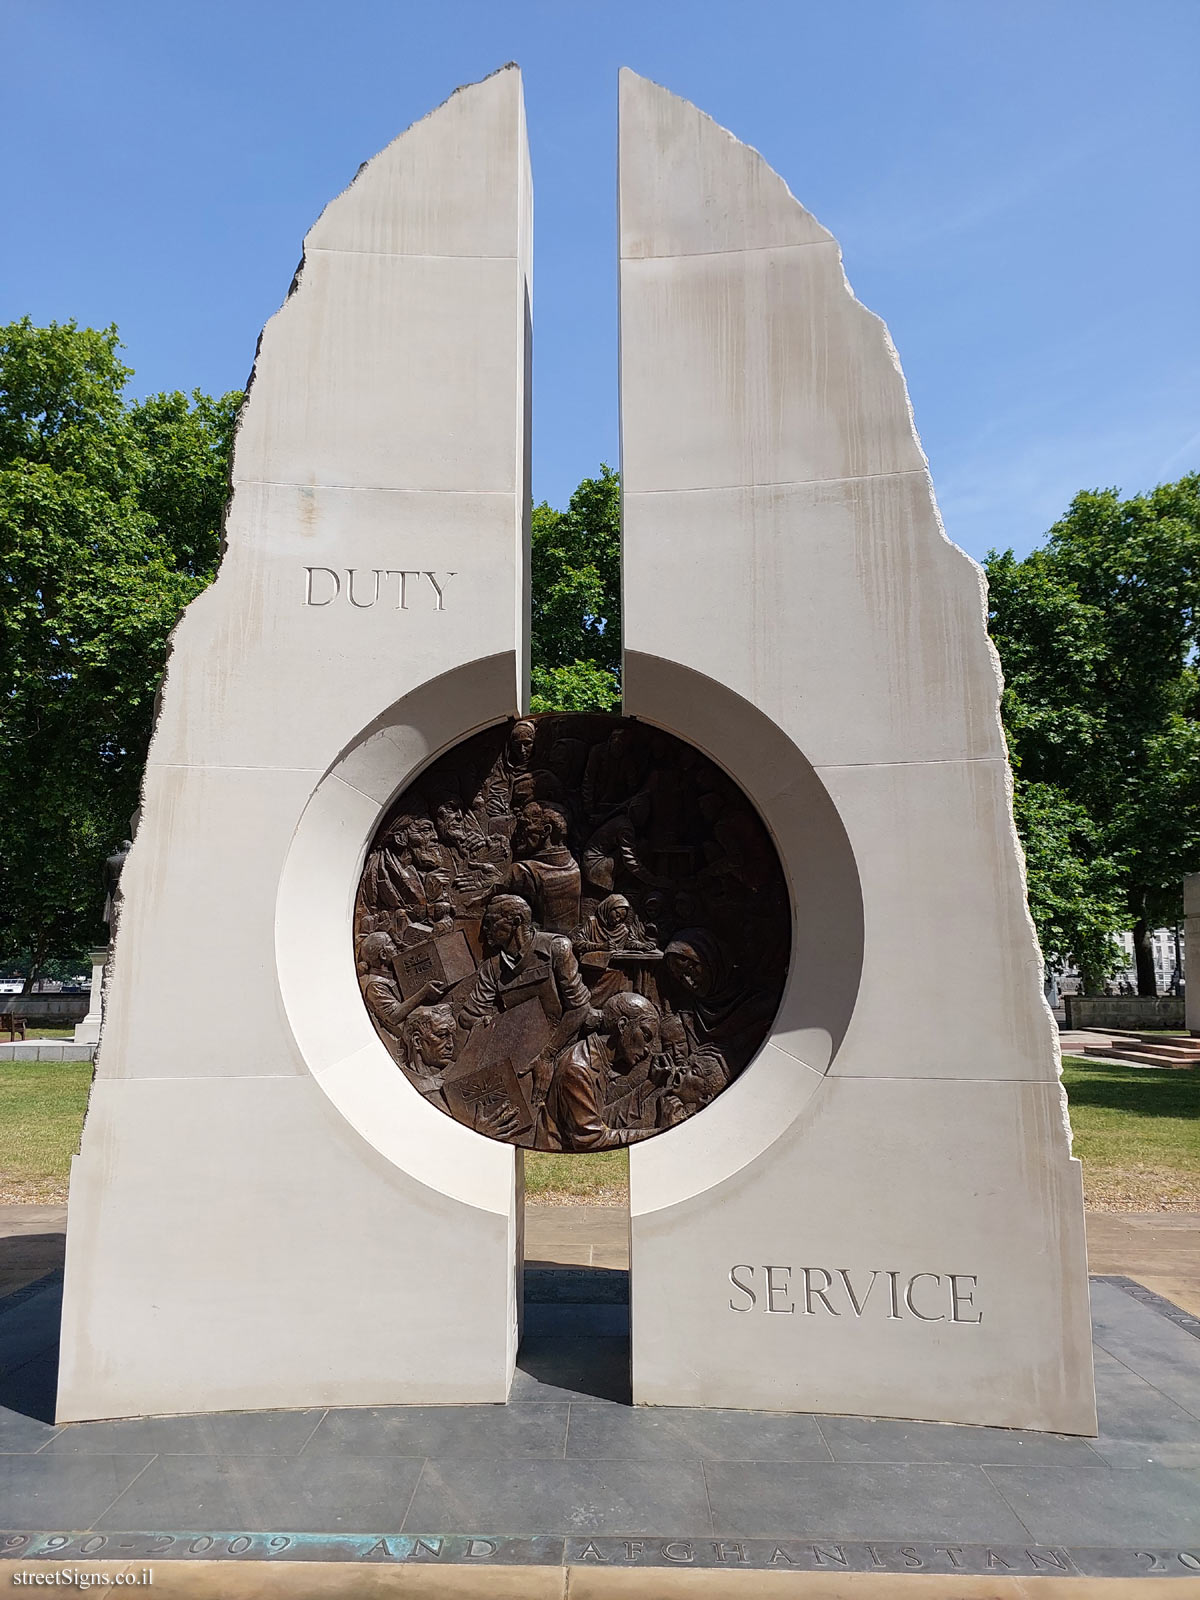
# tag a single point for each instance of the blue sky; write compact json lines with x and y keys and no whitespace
{"x":1014,"y":184}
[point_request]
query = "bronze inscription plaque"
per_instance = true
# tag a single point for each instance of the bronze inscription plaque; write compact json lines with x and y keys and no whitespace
{"x":572,"y":932}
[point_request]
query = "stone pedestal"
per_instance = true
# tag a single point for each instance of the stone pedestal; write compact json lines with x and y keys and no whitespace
{"x":88,"y":1031}
{"x":882,"y":1214}
{"x":263,"y":1212}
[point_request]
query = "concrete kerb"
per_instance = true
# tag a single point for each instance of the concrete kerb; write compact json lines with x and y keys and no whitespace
{"x":46,"y":1050}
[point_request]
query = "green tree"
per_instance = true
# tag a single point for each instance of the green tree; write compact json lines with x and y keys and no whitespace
{"x":576,"y":611}
{"x":109,"y":525}
{"x":1097,"y":632}
{"x":1074,"y":889}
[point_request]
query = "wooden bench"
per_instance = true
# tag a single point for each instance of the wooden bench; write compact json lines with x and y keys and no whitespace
{"x":14,"y":1024}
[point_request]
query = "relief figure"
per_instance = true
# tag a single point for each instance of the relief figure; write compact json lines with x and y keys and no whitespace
{"x":545,"y":872}
{"x":572,"y":932}
{"x":604,"y":1093}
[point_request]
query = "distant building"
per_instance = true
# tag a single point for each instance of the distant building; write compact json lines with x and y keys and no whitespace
{"x":1164,"y":964}
{"x":1164,"y":958}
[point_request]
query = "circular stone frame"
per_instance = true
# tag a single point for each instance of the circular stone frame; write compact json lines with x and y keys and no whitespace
{"x":318,"y":984}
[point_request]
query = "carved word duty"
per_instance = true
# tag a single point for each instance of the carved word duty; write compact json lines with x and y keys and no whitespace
{"x":572,"y":932}
{"x":364,"y":587}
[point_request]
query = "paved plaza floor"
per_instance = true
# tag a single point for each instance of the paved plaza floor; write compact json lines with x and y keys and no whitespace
{"x":570,"y":1474}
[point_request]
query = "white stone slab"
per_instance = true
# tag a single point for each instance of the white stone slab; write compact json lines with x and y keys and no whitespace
{"x":951,"y":980}
{"x":669,"y":207}
{"x":283,"y":1265}
{"x":739,"y":334}
{"x":284,"y":539}
{"x":792,"y":605}
{"x":199,"y":892}
{"x":448,"y":326}
{"x":445,"y":186}
{"x":898,"y":626}
{"x":263,"y":1212}
{"x":875,"y":1177}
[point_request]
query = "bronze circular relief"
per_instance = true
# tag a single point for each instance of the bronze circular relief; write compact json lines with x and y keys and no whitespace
{"x":572,"y":932}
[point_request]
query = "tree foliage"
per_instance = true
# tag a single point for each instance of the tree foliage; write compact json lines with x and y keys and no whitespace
{"x":109,"y":524}
{"x":1074,"y":888}
{"x":576,"y":614}
{"x":1097,"y":632}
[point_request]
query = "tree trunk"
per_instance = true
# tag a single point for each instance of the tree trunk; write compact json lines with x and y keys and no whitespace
{"x":36,"y":958}
{"x":1143,"y":955}
{"x":1091,"y":981}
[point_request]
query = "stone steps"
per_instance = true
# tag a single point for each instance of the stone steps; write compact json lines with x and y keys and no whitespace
{"x":1145,"y":1055}
{"x":1182,"y":1045}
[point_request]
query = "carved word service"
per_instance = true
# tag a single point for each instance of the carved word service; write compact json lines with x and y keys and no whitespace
{"x":816,"y":1291}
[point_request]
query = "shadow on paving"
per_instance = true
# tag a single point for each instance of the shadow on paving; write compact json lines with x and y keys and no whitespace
{"x":548,"y":1282}
{"x":575,"y":1339}
{"x":25,"y":1257}
{"x":30,"y":1318}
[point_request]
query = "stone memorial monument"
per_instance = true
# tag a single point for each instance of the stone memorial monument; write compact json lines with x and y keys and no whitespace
{"x":767,"y":928}
{"x":88,"y":1031}
{"x":263,"y":1212}
{"x":882,"y":1214}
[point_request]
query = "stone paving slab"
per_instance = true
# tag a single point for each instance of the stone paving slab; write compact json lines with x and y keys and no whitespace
{"x":1159,"y":1250}
{"x":569,"y":1464}
{"x":15,"y":1219}
{"x":568,"y":1458}
{"x":585,"y":1236}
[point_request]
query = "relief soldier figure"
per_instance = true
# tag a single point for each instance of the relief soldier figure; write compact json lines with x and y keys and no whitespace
{"x":545,"y":872}
{"x":526,"y":964}
{"x":572,"y":933}
{"x":427,"y":1038}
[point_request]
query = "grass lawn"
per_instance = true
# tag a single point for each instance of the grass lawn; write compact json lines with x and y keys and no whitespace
{"x":41,"y":1112}
{"x":600,"y":1180}
{"x":1137,"y":1132}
